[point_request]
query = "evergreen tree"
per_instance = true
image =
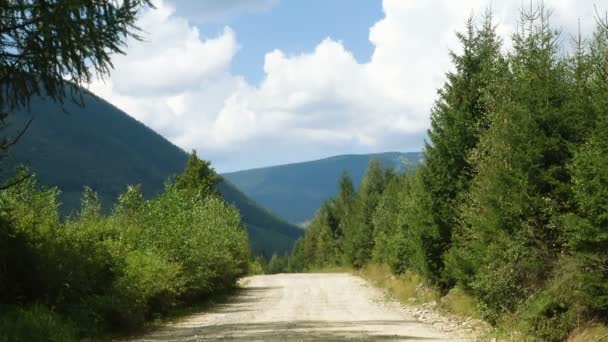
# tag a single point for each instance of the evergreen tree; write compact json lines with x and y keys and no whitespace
{"x":457,"y":120}
{"x":360,"y":240}
{"x":588,"y":226}
{"x":199,"y":178}
{"x":393,"y":239}
{"x":510,"y":236}
{"x":343,"y":203}
{"x":45,"y":43}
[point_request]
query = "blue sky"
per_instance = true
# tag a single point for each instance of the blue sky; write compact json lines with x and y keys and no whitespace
{"x":297,"y":27}
{"x":251,"y":83}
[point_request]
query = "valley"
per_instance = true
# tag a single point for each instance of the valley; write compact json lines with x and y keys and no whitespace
{"x":296,"y":191}
{"x":461,"y":191}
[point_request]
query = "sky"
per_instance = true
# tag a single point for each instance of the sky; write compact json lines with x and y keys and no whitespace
{"x":252,"y":83}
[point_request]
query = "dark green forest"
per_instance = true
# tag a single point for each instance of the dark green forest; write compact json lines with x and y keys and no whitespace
{"x":309,"y":183}
{"x":510,"y":203}
{"x":95,"y":144}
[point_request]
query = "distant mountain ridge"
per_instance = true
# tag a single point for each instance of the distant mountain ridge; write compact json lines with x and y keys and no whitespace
{"x":101,"y":146}
{"x":295,"y":191}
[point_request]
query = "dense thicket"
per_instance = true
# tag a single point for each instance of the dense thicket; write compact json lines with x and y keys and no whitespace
{"x":93,"y":273}
{"x":510,"y":204}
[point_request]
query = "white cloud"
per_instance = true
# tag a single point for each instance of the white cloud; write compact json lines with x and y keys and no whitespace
{"x":309,"y":105}
{"x":174,"y":56}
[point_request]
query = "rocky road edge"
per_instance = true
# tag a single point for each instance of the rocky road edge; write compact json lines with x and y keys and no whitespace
{"x":466,"y":328}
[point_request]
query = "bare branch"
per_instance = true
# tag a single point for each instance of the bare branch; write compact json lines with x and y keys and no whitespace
{"x":14,"y":141}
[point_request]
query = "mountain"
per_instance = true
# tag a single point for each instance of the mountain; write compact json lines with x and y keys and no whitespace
{"x":98,"y":145}
{"x":296,"y":191}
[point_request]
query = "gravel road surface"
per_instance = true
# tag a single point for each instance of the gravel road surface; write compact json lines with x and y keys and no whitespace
{"x":302,"y":307}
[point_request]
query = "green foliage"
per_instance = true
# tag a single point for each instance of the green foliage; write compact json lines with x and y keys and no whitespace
{"x":359,"y":240}
{"x":556,"y":310}
{"x":46,"y":43}
{"x":296,"y":191}
{"x":258,"y":265}
{"x":458,"y":119}
{"x":511,"y":232}
{"x":114,"y":272}
{"x":509,"y":210}
{"x":342,"y":230}
{"x":35,"y":59}
{"x":587,"y":226}
{"x":103,"y":148}
{"x":198,"y":179}
{"x":35,"y":323}
{"x":388,"y":234}
{"x":277,"y":264}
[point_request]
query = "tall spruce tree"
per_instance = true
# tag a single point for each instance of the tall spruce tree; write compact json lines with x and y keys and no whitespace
{"x":457,"y":120}
{"x":360,"y":240}
{"x":344,"y":203}
{"x":509,"y":235}
{"x":199,"y":178}
{"x":587,"y":226}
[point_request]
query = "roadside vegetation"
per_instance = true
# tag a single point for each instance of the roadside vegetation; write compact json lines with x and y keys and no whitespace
{"x":92,"y":274}
{"x":95,"y":273}
{"x":508,"y":212}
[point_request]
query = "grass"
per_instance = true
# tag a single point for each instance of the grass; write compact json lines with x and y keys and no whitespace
{"x":332,"y":269}
{"x":459,"y":303}
{"x":407,"y":288}
{"x":410,"y":288}
{"x":34,"y":323}
{"x":590,"y":332}
{"x":175,"y":315}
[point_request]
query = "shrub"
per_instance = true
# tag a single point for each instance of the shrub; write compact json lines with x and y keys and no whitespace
{"x":34,"y":323}
{"x":114,"y":272}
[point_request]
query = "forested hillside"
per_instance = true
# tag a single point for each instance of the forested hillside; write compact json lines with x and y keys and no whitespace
{"x":510,"y":204}
{"x":97,"y":145}
{"x":295,"y":191}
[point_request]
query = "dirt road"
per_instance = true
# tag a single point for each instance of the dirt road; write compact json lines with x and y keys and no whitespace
{"x":302,"y":307}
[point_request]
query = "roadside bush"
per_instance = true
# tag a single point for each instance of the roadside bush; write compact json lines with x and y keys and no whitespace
{"x":35,"y":323}
{"x":146,"y":284}
{"x":113,"y":272}
{"x":557,"y":309}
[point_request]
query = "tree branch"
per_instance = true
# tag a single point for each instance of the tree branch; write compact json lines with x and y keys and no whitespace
{"x":14,"y":183}
{"x":12,"y":143}
{"x":603,"y":23}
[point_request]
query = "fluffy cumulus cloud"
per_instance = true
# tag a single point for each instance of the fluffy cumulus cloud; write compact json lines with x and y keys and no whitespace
{"x":309,"y":105}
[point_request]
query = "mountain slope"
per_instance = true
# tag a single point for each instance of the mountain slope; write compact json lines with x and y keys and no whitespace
{"x":296,"y":191}
{"x":102,"y":147}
